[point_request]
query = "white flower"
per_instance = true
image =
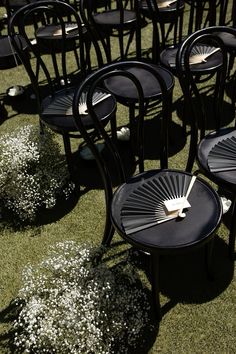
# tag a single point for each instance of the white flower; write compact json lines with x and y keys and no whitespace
{"x":32,"y":171}
{"x":71,"y":305}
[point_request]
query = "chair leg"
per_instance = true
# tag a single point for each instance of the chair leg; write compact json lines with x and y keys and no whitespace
{"x":108,"y":234}
{"x":155,"y":279}
{"x":68,"y":153}
{"x":232,"y":233}
{"x":208,"y":259}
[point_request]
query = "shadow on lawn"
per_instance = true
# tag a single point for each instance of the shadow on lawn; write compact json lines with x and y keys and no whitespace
{"x":44,"y":216}
{"x":88,"y":174}
{"x":183,"y":277}
{"x":7,"y":317}
{"x":227,"y":112}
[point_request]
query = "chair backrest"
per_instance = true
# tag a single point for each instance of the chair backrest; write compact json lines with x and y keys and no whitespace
{"x":203,"y":43}
{"x":118,"y":18}
{"x":57,"y":30}
{"x":206,"y":13}
{"x":97,"y":79}
{"x":167,"y":24}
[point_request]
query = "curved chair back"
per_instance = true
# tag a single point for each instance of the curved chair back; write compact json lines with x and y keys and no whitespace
{"x":57,"y":28}
{"x":118,"y":19}
{"x":167,"y":23}
{"x":200,"y":47}
{"x":96,"y":80}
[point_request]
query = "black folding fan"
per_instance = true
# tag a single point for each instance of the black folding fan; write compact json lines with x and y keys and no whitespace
{"x":62,"y":105}
{"x":222,"y":156}
{"x":146,"y":206}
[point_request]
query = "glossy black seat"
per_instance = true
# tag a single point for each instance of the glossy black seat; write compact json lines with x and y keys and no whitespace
{"x":54,"y":89}
{"x":136,"y":207}
{"x":8,"y":56}
{"x":209,"y":161}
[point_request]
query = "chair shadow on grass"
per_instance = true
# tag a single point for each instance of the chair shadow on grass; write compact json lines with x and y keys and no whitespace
{"x":227,"y":112}
{"x":183,"y":277}
{"x":152,"y":136}
{"x":87,"y":170}
{"x":120,"y":253}
{"x":7,"y":316}
{"x":88,"y":174}
{"x":44,"y":215}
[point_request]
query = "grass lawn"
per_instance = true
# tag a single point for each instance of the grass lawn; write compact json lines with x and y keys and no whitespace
{"x":199,"y":315}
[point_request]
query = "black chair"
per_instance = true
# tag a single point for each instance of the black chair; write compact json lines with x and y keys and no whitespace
{"x":137,"y":210}
{"x":205,"y":63}
{"x":167,"y":56}
{"x":9,"y":58}
{"x":167,"y":24}
{"x":125,"y":92}
{"x":54,"y":89}
{"x":206,"y":13}
{"x":211,"y":162}
{"x":113,"y":19}
{"x":229,"y":40}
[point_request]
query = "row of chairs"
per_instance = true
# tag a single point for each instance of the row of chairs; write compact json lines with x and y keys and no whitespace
{"x":136,"y":208}
{"x":86,"y":109}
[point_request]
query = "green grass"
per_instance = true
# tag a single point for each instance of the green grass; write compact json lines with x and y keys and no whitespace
{"x":199,"y":315}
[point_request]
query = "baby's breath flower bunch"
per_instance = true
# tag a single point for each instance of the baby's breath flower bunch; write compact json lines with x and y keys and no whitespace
{"x":71,"y":304}
{"x":32,"y":171}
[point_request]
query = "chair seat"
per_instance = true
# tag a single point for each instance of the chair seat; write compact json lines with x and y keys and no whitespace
{"x":112,"y":18}
{"x":123,"y":88}
{"x":57,"y":111}
{"x":166,"y":13}
{"x":53,"y":32}
{"x":168,"y":58}
{"x":8,"y":57}
{"x":205,"y":146}
{"x":202,"y":218}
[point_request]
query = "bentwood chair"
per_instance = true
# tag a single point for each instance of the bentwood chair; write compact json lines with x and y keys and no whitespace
{"x":113,"y":19}
{"x":206,"y":13}
{"x":136,"y":210}
{"x":167,"y":55}
{"x":167,"y":23}
{"x":54,"y":89}
{"x":215,"y":161}
{"x":125,"y":92}
{"x":205,"y":63}
{"x":229,"y":39}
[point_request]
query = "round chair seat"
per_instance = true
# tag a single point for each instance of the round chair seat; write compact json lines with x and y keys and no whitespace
{"x":57,"y":111}
{"x":213,"y":62}
{"x":8,"y":56}
{"x":112,"y":18}
{"x":166,"y":12}
{"x":123,"y":88}
{"x":54,"y":32}
{"x":178,"y":234}
{"x":49,"y":37}
{"x":205,"y":146}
